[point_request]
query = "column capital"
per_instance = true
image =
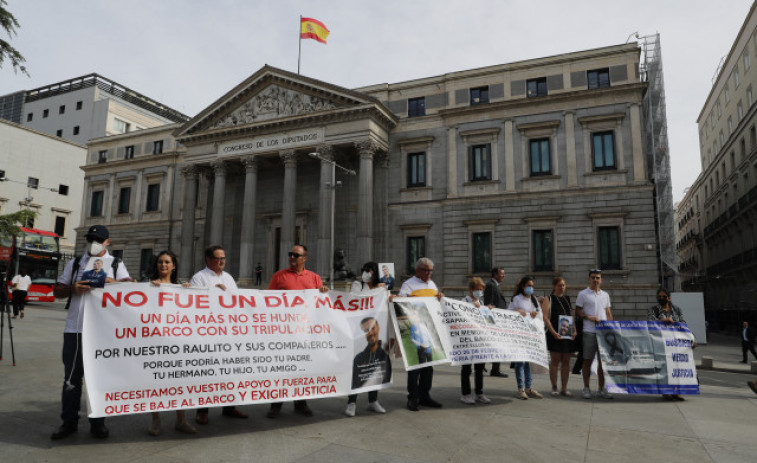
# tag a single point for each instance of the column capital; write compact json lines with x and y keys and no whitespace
{"x":189,"y":172}
{"x":219,"y":168}
{"x":289,"y":158}
{"x":326,"y":151}
{"x":250,"y":163}
{"x":381,"y":159}
{"x":366,"y":148}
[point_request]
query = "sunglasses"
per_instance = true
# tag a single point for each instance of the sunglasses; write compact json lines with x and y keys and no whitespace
{"x":295,"y":255}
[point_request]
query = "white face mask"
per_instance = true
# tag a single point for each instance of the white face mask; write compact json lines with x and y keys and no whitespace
{"x":367,"y":277}
{"x":95,"y":248}
{"x":478,"y":294}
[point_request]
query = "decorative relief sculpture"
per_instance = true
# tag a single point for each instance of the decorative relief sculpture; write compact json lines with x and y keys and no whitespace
{"x":274,"y":102}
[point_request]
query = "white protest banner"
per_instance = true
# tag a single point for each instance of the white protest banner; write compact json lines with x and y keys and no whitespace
{"x":148,"y":348}
{"x":454,"y":332}
{"x":642,"y":357}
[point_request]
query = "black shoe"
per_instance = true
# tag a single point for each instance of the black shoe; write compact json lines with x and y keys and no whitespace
{"x":429,"y":402}
{"x":499,"y":374}
{"x":99,"y":430}
{"x":65,"y":430}
{"x":412,"y":405}
{"x":274,"y":411}
{"x":303,"y":409}
{"x":743,"y":361}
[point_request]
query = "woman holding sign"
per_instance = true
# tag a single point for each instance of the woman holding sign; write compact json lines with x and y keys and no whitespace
{"x":164,"y":271}
{"x":525,"y":303}
{"x":666,"y":312}
{"x":475,"y":294}
{"x":560,"y":323}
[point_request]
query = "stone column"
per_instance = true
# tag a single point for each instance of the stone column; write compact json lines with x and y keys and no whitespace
{"x":571,"y":163}
{"x":325,"y":192}
{"x":509,"y":156}
{"x":289,"y":205}
{"x":112,"y":199}
{"x":366,"y":149}
{"x":381,"y":206}
{"x":188,"y":222}
{"x":247,"y":243}
{"x":219,"y":203}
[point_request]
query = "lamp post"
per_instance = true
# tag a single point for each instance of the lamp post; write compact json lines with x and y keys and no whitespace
{"x":332,"y":185}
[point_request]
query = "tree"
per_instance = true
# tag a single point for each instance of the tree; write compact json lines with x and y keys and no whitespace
{"x":9,"y":23}
{"x":9,"y":223}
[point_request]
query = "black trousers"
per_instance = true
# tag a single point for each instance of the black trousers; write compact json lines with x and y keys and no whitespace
{"x":478,"y":378}
{"x":419,"y":381}
{"x":745,"y":346}
{"x":74,"y":374}
{"x":19,"y":301}
{"x":372,"y":397}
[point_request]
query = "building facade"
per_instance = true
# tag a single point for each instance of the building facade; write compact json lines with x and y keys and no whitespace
{"x":538,"y":166}
{"x":717,"y":218}
{"x":50,"y":185}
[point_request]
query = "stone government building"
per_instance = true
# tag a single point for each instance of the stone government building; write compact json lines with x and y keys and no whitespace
{"x":538,"y":166}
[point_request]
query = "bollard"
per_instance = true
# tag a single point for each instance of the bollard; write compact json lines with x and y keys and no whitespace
{"x":706,"y":363}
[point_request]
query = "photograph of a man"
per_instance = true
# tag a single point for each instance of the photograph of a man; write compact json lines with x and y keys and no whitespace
{"x":421,"y":338}
{"x":372,"y":366}
{"x":565,"y":329}
{"x":387,"y":275}
{"x":487,"y":314}
{"x":96,"y":275}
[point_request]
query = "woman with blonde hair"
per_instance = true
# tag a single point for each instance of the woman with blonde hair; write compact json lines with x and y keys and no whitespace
{"x":560,"y":348}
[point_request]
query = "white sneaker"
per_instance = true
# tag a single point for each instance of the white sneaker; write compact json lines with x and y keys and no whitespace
{"x":467,"y":399}
{"x":586,"y":393}
{"x":350,"y":410}
{"x":376,"y":407}
{"x":482,"y":399}
{"x":605,"y":394}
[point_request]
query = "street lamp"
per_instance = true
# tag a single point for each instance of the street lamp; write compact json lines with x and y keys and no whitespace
{"x":332,"y":185}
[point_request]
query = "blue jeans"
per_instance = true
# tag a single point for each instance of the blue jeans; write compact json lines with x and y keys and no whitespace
{"x":523,"y":371}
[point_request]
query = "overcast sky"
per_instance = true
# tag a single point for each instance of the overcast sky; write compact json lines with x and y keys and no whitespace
{"x":187,"y":53}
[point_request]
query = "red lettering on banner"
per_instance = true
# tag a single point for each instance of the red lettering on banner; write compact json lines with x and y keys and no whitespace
{"x":248,"y":301}
{"x":203,"y":302}
{"x":322,"y":301}
{"x":133,"y":299}
{"x":109,"y":299}
{"x":223,"y":303}
{"x":272,"y":301}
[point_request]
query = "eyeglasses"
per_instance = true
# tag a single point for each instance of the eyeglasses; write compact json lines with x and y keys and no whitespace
{"x":295,"y":255}
{"x":426,"y":270}
{"x":219,"y":259}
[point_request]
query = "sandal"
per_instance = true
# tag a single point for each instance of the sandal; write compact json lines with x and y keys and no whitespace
{"x":554,"y":391}
{"x":566,"y":393}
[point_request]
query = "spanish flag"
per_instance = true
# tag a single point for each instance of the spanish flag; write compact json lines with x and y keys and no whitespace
{"x":313,"y":29}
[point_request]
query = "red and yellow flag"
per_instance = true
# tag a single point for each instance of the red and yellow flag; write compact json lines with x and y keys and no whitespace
{"x":313,"y":29}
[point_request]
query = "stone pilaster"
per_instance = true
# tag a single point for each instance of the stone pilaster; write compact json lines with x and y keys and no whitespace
{"x":188,"y":222}
{"x":217,"y":215}
{"x":247,"y":241}
{"x":325,"y":202}
{"x":289,"y":205}
{"x":366,"y":150}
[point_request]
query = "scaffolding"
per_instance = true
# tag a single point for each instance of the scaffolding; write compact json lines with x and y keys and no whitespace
{"x":658,"y":157}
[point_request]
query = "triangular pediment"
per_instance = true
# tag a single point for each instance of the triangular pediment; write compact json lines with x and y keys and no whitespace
{"x":271,"y":95}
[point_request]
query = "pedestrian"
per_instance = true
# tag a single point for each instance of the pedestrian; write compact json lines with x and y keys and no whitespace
{"x":259,"y":274}
{"x":213,"y":276}
{"x":164,"y":271}
{"x":294,"y":277}
{"x":593,"y":306}
{"x":559,"y":319}
{"x":525,"y":303}
{"x":419,"y":381}
{"x":475,"y":294}
{"x":493,"y":298}
{"x":21,"y":283}
{"x":71,"y":285}
{"x":747,"y":339}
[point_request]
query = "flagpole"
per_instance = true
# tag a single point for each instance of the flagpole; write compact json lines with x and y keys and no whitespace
{"x":299,"y":47}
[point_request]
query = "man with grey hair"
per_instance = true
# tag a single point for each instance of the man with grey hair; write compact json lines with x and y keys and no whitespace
{"x":419,"y":381}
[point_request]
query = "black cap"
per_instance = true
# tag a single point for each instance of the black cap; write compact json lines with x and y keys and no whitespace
{"x":97,"y":232}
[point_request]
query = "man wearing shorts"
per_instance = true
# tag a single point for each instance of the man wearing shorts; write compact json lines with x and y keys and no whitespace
{"x":593,"y":306}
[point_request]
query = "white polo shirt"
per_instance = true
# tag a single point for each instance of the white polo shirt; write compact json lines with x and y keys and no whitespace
{"x":593,"y":304}
{"x":207,"y":278}
{"x":22,"y":282}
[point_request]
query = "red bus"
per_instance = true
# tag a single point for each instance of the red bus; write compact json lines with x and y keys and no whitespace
{"x":38,"y":252}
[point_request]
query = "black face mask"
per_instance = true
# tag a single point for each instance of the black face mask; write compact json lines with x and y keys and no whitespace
{"x":662,"y":300}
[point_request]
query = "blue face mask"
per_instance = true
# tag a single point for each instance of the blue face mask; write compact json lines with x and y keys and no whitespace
{"x":529,"y":290}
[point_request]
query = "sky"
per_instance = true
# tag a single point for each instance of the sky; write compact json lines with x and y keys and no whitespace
{"x":188,"y":53}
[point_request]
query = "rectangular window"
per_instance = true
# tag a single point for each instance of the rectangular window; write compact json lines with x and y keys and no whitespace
{"x":598,"y":78}
{"x":416,"y":248}
{"x":63,"y":190}
{"x":749,"y":97}
{"x":736,"y":78}
{"x":79,"y":105}
{"x":540,"y":157}
{"x":145,"y":264}
{"x":609,"y":248}
{"x":727,"y":93}
{"x":157,"y":147}
{"x":96,"y":204}
{"x":76,"y":130}
{"x":543,"y":251}
{"x":479,"y":95}
{"x":482,"y":252}
{"x":153,"y":197}
{"x":479,"y":162}
{"x":129,"y":153}
{"x":62,"y":109}
{"x":416,"y":170}
{"x":124,"y":200}
{"x":740,"y":110}
{"x":102,"y":156}
{"x":32,"y":182}
{"x":45,"y":113}
{"x":59,"y":133}
{"x":603,"y":150}
{"x":120,"y":126}
{"x":536,"y":87}
{"x":60,"y":226}
{"x":416,"y":107}
{"x":29,"y":117}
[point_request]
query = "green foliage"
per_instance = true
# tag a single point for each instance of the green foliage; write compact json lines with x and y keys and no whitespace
{"x":10,"y":224}
{"x":9,"y":23}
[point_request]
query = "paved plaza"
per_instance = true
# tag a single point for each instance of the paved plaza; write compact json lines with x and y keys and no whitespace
{"x":719,"y":425}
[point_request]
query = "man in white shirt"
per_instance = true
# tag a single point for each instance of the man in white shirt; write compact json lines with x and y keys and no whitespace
{"x":71,"y":285}
{"x":593,"y":306}
{"x":21,"y":283}
{"x":213,"y":276}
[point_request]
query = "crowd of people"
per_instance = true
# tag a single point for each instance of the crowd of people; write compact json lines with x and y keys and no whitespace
{"x":568,"y":329}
